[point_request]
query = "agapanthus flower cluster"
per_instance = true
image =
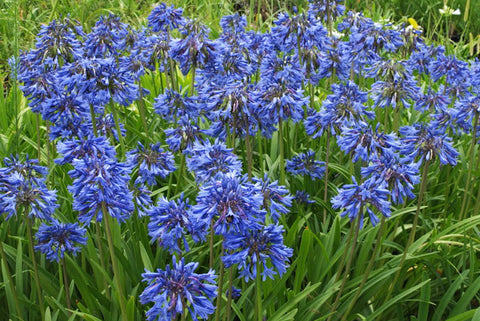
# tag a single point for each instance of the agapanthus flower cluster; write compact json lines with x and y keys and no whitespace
{"x":230,"y":204}
{"x":207,"y":159}
{"x":170,"y":221}
{"x":23,"y":187}
{"x":152,"y":162}
{"x":258,"y":249}
{"x":357,"y":199}
{"x":58,"y":238}
{"x":424,"y":142}
{"x":276,"y":198}
{"x":305,"y":164}
{"x":178,"y":288}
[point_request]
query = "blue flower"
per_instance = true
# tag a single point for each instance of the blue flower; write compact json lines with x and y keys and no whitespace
{"x":107,"y":38}
{"x":178,"y":288}
{"x":305,"y":164}
{"x":276,"y":198}
{"x":425,"y":142}
{"x":170,"y":221}
{"x":207,"y":159}
{"x":229,"y":203}
{"x":302,"y":198}
{"x":354,"y":199}
{"x":172,"y":105}
{"x":164,"y":18}
{"x":184,"y":135}
{"x":363,"y":142}
{"x":264,"y":247}
{"x":88,"y":147}
{"x":347,"y":103}
{"x":400,"y":177}
{"x":152,"y":162}
{"x":59,"y":238}
{"x":101,"y":183}
{"x":23,"y":186}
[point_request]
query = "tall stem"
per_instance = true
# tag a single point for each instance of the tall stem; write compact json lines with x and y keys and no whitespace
{"x":220,"y":289}
{"x":117,"y":127}
{"x":367,"y":272}
{"x":37,"y":126}
{"x":67,"y":288}
{"x":349,"y":264}
{"x":101,"y":254}
{"x":10,"y":281}
{"x":325,"y":188}
{"x":230,"y":290}
{"x":258,"y":294}
{"x":411,"y":237}
{"x":180,"y":173}
{"x":210,"y":263}
{"x":248,"y":144}
{"x":123,"y":305}
{"x":34,"y":262}
{"x":141,"y":110}
{"x":471,"y":153}
{"x":280,"y":145}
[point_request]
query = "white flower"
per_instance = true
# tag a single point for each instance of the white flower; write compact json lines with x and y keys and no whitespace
{"x":447,"y":11}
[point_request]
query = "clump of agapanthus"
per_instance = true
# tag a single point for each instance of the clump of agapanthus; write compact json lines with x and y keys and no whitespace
{"x":230,"y":204}
{"x":302,"y":198}
{"x":184,"y":135}
{"x":107,"y":38}
{"x":152,"y":162}
{"x":446,"y":119}
{"x":195,"y":49}
{"x":207,"y":159}
{"x":276,"y":198}
{"x":178,"y":288}
{"x":165,"y":18}
{"x":468,"y":107}
{"x":394,"y":91}
{"x":454,"y":70}
{"x":258,"y":247}
{"x":357,"y":199}
{"x":347,"y":103}
{"x":106,"y":126}
{"x":432,"y":100}
{"x":364,"y":142}
{"x":335,"y":60}
{"x":170,"y":221}
{"x":141,"y":197}
{"x":60,"y":40}
{"x":172,"y":105}
{"x":420,"y":59}
{"x":400,"y":176}
{"x":424,"y":142}
{"x":23,"y":186}
{"x":86,"y":147}
{"x":305,"y":164}
{"x":58,"y":238}
{"x":324,"y":8}
{"x":101,"y":184}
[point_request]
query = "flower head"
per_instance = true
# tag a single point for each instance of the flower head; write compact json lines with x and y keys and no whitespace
{"x":178,"y":288}
{"x":258,"y":247}
{"x":59,"y":238}
{"x":355,"y":198}
{"x":305,"y":164}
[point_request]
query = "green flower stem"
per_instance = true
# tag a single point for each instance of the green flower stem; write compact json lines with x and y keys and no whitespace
{"x":471,"y":153}
{"x":141,"y":110}
{"x":325,"y":188}
{"x":230,"y":290}
{"x":192,"y":84}
{"x":358,"y":291}
{"x":281,"y":147}
{"x":411,"y":237}
{"x":260,"y":151}
{"x":65,"y":283}
{"x":101,"y":254}
{"x":181,"y":173}
{"x":220,"y":289}
{"x":119,"y":132}
{"x":248,"y":144}
{"x":210,"y":263}
{"x":349,"y":264}
{"x":34,"y":262}
{"x":94,"y":124}
{"x":172,"y":73}
{"x":10,"y":281}
{"x":121,"y":296}
{"x":258,"y":293}
{"x":37,"y":126}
